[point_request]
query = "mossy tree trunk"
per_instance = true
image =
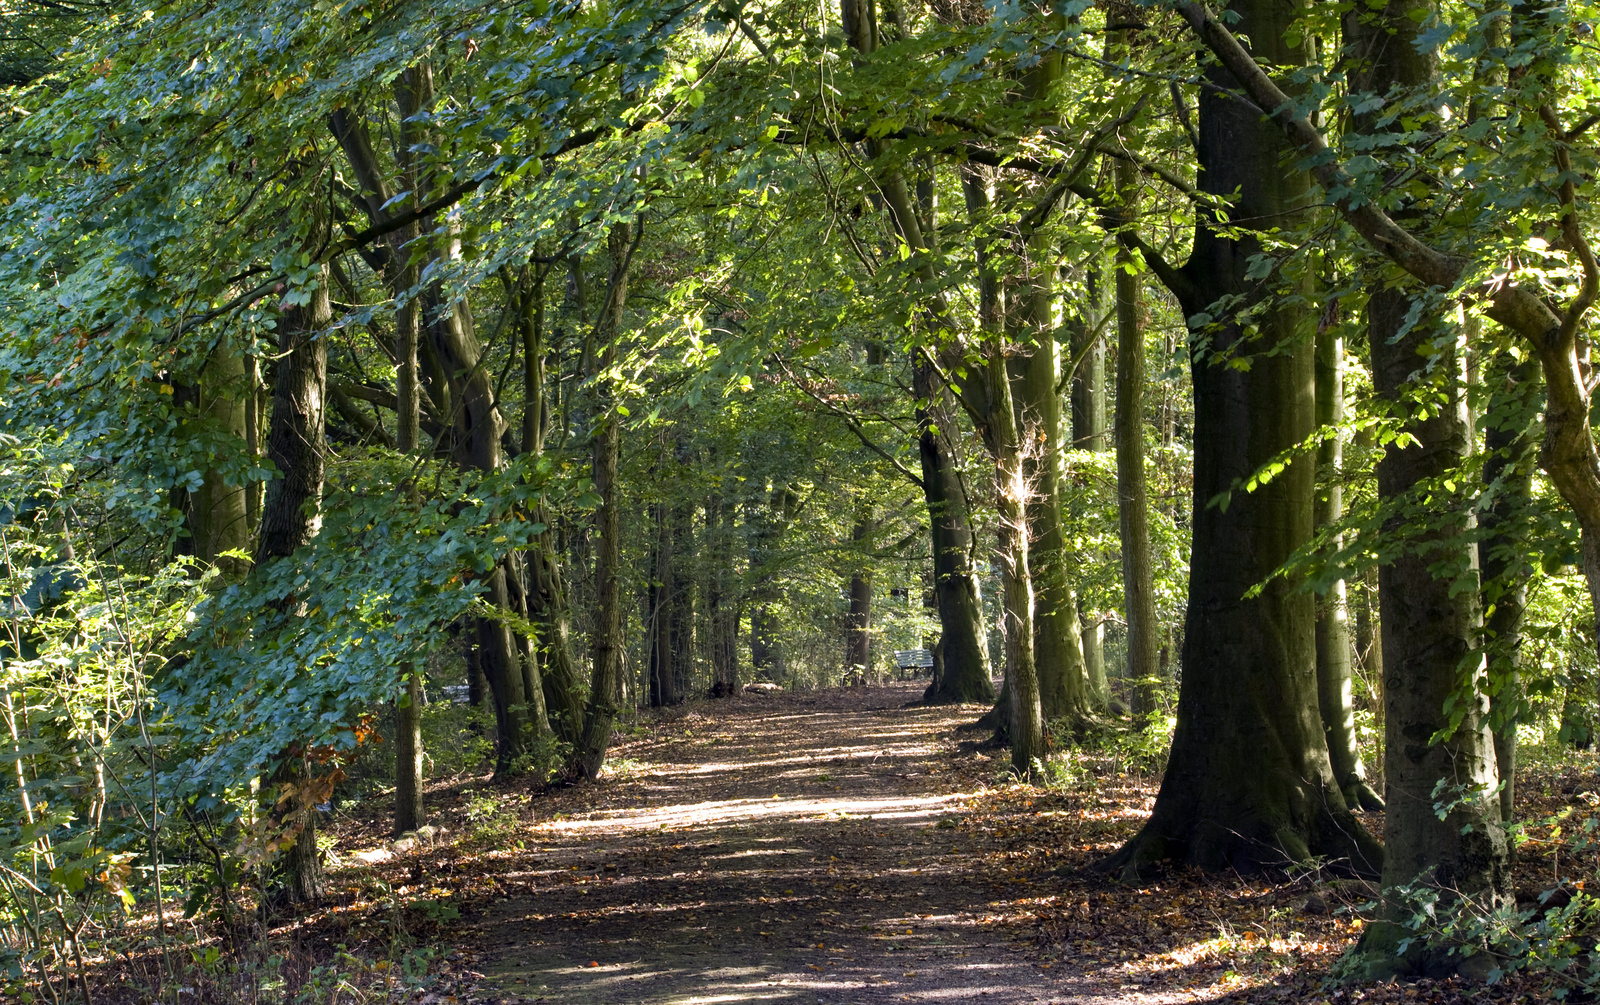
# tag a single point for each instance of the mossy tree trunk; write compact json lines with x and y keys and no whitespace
{"x":606,"y":446}
{"x":1335,"y":693}
{"x":1511,"y":452}
{"x":1089,"y":433}
{"x":290,"y":515}
{"x":1248,"y":780}
{"x":1133,"y":498}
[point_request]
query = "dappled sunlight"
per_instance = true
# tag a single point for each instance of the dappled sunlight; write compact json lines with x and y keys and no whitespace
{"x":712,"y":812}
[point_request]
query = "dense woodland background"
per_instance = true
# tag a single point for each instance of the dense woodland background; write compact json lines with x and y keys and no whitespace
{"x":397,"y":391}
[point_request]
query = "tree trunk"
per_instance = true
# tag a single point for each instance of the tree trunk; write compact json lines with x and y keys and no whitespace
{"x":412,"y":90}
{"x":545,"y":596}
{"x":290,"y":515}
{"x":1248,"y":781}
{"x":990,"y":406}
{"x":1089,"y":433}
{"x":858,"y":622}
{"x":996,"y":419}
{"x":218,"y":510}
{"x":600,"y":714}
{"x":680,"y":601}
{"x":662,"y":663}
{"x":722,"y":610}
{"x":1133,"y":502}
{"x":1335,"y":695}
{"x":1511,"y":449}
{"x":409,"y":812}
{"x":1428,"y":627}
{"x":1057,"y":636}
{"x":962,"y":653}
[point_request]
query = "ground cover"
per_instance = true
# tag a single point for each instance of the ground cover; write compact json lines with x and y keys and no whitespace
{"x":832,"y":846}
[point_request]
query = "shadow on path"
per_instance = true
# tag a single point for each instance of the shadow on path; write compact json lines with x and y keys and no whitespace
{"x":801,"y":848}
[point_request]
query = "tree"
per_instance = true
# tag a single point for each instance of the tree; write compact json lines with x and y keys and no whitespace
{"x":1335,"y":692}
{"x":1248,"y":781}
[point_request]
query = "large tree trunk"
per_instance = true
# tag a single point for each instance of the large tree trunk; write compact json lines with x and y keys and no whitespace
{"x":606,"y":446}
{"x":1511,"y":448}
{"x":1335,"y":694}
{"x":1133,"y":500}
{"x":1248,"y":781}
{"x":291,"y":513}
{"x":964,"y":674}
{"x":1442,"y":828}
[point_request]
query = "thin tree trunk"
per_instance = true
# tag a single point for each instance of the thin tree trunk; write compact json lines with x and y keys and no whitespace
{"x":1089,"y":433}
{"x":997,"y":424}
{"x":662,"y":666}
{"x":218,"y":510}
{"x":1057,"y":636}
{"x":1133,"y":502}
{"x":1511,"y":449}
{"x":858,"y":622}
{"x":1335,"y":694}
{"x":600,"y":715}
{"x":413,"y":90}
{"x":409,"y":811}
{"x":722,"y":609}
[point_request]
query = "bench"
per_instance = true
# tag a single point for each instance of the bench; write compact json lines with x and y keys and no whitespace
{"x":913,"y":659}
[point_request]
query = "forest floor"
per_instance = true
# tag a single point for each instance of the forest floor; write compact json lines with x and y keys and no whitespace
{"x":842,"y":847}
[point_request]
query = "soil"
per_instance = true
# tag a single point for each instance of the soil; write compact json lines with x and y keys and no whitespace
{"x":793,"y":848}
{"x":847,"y":846}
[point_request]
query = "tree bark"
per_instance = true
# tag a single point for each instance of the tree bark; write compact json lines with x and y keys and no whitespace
{"x":290,"y":516}
{"x":1429,"y":627}
{"x":606,"y":445}
{"x":1248,"y":781}
{"x":218,"y":510}
{"x":858,"y":621}
{"x":1133,"y":501}
{"x":1511,"y":451}
{"x":1089,"y":433}
{"x":964,"y":673}
{"x":1335,"y":693}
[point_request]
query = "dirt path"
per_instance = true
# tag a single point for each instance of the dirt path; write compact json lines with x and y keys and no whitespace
{"x":804,"y":848}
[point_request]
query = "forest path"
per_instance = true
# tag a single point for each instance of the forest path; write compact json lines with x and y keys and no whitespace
{"x":785,"y":848}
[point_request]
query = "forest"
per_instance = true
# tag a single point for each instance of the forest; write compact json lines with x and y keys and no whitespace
{"x":458,"y":459}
